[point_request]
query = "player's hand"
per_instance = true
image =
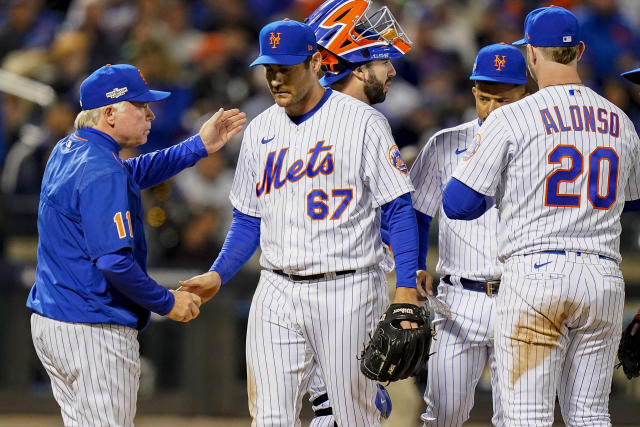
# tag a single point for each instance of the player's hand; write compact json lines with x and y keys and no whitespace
{"x":407,"y":296}
{"x":424,"y":284}
{"x":186,"y":306}
{"x":206,"y":285}
{"x":219,"y":129}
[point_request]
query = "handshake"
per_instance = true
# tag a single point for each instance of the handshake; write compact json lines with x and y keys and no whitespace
{"x":186,"y":306}
{"x":192,"y":294}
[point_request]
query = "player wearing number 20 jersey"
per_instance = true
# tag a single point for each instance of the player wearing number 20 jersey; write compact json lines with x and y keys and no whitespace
{"x":561,"y":164}
{"x":576,"y":165}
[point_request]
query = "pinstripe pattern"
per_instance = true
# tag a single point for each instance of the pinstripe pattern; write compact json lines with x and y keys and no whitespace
{"x":514,"y":140}
{"x":360,"y":138}
{"x":465,"y":248}
{"x":557,"y":331}
{"x":294,"y":325}
{"x":558,"y":316}
{"x":323,"y":421}
{"x":463,"y":344}
{"x":462,"y":347}
{"x":94,"y":370}
{"x":317,"y":388}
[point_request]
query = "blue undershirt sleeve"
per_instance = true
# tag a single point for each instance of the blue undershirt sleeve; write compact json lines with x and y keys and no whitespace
{"x":631,"y":206}
{"x":241,"y":242}
{"x":124,"y":273}
{"x":403,"y":237}
{"x":460,"y":201}
{"x":424,"y":222}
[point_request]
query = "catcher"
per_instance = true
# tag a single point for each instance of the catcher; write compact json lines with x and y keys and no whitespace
{"x":357,"y":63}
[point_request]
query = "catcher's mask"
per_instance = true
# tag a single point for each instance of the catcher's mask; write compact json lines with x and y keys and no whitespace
{"x":350,"y":33}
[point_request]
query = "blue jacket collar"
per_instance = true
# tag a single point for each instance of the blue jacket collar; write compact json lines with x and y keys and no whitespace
{"x":92,"y":133}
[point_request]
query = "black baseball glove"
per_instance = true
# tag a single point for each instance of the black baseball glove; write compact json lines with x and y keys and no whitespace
{"x":629,"y":350}
{"x":394,"y":353}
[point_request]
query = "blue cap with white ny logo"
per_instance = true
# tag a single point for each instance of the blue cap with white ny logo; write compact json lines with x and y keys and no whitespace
{"x":501,"y":63}
{"x":285,"y":43}
{"x":552,"y":26}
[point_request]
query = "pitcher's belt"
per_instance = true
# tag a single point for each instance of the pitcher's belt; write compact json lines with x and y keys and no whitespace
{"x":298,"y":278}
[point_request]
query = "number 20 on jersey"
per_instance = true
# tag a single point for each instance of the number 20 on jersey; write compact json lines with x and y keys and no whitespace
{"x":602,"y":163}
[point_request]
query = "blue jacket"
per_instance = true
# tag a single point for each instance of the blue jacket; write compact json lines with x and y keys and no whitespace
{"x":90,"y":206}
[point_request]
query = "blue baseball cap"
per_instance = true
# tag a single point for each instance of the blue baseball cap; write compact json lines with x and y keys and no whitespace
{"x":501,"y":63}
{"x":114,"y":83}
{"x":552,"y":26}
{"x":285,"y":43}
{"x":632,"y":75}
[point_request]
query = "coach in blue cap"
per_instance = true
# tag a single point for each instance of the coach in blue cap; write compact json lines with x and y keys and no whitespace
{"x":92,"y":293}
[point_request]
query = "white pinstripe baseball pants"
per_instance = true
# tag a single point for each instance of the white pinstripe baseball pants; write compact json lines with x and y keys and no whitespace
{"x":94,"y":370}
{"x":293,"y":325}
{"x":461,"y":348}
{"x":558,"y":324}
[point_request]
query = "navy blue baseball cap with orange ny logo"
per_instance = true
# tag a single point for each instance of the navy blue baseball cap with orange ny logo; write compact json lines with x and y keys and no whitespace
{"x":501,"y":63}
{"x":285,"y":43}
{"x":552,"y":26}
{"x":114,"y":83}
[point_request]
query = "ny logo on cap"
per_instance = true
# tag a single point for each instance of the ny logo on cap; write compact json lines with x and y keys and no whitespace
{"x":499,"y":63}
{"x":274,"y":40}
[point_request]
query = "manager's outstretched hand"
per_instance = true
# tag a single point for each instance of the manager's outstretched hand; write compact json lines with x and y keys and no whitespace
{"x":185,"y":308}
{"x":219,"y":129}
{"x":206,"y":285}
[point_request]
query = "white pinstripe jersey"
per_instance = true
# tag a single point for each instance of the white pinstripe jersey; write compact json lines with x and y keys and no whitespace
{"x":466,"y":248}
{"x":561,"y":163}
{"x":317,"y":186}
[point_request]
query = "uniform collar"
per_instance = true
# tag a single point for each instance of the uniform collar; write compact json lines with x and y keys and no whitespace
{"x":92,"y":133}
{"x":299,"y":119}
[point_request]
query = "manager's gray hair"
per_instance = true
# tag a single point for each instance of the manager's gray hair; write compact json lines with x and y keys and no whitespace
{"x":90,"y":118}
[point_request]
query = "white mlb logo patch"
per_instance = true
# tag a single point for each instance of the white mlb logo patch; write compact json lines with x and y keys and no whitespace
{"x":566,"y":39}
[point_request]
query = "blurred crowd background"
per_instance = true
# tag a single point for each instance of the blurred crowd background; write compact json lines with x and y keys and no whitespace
{"x":200,"y":51}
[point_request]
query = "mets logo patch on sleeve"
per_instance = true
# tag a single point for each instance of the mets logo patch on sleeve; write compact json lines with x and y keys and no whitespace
{"x":396,"y":159}
{"x":471,"y":150}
